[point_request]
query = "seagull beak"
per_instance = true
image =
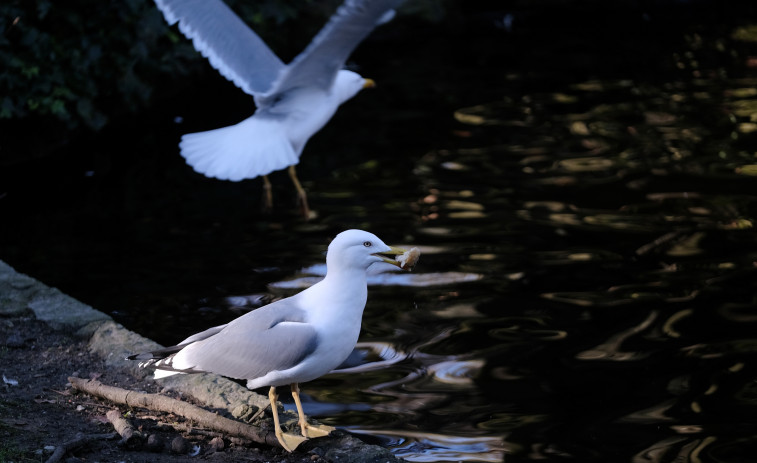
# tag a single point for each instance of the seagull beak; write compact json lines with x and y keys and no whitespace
{"x":387,"y":256}
{"x":369,"y":83}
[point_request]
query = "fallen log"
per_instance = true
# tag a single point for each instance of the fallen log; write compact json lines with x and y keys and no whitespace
{"x":165,"y":404}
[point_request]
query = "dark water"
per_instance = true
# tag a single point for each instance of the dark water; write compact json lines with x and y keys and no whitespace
{"x":582,"y":186}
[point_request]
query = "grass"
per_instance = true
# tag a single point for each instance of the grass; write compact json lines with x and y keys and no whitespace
{"x":9,"y":453}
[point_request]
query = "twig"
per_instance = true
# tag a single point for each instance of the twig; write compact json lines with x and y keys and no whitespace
{"x":161,"y":403}
{"x":122,"y":426}
{"x":63,"y":449}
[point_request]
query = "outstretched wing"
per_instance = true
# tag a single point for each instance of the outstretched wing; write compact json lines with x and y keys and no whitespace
{"x":326,"y":54}
{"x":226,"y":41}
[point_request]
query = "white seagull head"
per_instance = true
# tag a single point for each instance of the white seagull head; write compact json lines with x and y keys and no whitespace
{"x":349,"y":83}
{"x":358,"y":249}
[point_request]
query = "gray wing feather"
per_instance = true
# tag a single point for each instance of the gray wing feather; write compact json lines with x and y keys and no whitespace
{"x":226,"y":41}
{"x":274,"y":337}
{"x":203,"y":335}
{"x":318,"y":64}
{"x":167,"y":352}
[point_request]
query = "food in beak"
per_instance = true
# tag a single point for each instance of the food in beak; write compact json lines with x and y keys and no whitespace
{"x":409,"y":258}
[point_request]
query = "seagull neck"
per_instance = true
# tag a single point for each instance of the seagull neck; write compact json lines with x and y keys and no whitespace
{"x":346,"y":283}
{"x":345,"y":276}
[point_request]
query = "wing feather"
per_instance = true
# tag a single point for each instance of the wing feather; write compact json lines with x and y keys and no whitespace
{"x":232,"y":48}
{"x":273,"y":338}
{"x":326,"y":54}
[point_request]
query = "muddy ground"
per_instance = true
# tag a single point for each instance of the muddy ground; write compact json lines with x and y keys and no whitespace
{"x":39,"y":411}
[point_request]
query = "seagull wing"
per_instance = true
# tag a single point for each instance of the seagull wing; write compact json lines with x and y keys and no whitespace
{"x":160,"y":354}
{"x":326,"y":54}
{"x":273,"y":338}
{"x":226,"y":41}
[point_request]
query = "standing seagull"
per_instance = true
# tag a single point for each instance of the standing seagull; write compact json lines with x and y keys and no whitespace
{"x":293,"y":340}
{"x":294,"y":101}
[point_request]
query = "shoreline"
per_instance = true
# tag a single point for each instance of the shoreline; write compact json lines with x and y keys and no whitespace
{"x":79,"y":327}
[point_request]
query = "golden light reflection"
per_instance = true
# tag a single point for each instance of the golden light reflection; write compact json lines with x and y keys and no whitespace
{"x":674,"y":449}
{"x":744,"y":108}
{"x":586,"y":164}
{"x":746,"y":33}
{"x":464,"y":205}
{"x":564,"y":98}
{"x":579,"y":128}
{"x":436,"y":231}
{"x":467,"y":215}
{"x":558,"y":180}
{"x":687,"y":247}
{"x":452,"y":165}
{"x":668,"y":329}
{"x":621,"y":222}
{"x":654,"y":414}
{"x":498,"y":113}
{"x":610,"y":349}
{"x":745,"y":92}
{"x":749,"y":169}
{"x":687,"y":429}
{"x":740,"y":313}
{"x":554,"y":206}
{"x":458,"y":311}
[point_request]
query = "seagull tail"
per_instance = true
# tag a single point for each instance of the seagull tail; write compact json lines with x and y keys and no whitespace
{"x":162,"y":364}
{"x":165,"y":373}
{"x":254,"y":147}
{"x":159,"y":359}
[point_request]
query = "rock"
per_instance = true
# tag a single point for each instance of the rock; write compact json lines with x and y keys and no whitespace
{"x":15,"y":341}
{"x":243,"y":412}
{"x":216,"y":444}
{"x":154,"y":443}
{"x":180,"y":445}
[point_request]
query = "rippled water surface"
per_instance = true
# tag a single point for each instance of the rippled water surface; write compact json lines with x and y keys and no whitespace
{"x":583,"y":191}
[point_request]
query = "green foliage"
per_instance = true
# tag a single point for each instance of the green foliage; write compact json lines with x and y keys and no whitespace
{"x":82,"y":62}
{"x":746,"y":33}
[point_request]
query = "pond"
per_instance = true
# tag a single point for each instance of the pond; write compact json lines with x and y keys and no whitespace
{"x":581,"y":184}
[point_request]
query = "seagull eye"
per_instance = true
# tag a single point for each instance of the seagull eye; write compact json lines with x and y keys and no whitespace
{"x":367,"y":244}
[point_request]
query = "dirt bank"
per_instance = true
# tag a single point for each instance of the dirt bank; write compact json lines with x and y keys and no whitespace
{"x":46,"y":337}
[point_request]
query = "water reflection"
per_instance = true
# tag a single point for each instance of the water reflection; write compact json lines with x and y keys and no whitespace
{"x":385,"y":275}
{"x":610,"y":349}
{"x":430,"y":447}
{"x":619,"y":205}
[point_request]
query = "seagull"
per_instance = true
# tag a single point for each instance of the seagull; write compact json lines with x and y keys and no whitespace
{"x":290,"y":341}
{"x":293,"y":101}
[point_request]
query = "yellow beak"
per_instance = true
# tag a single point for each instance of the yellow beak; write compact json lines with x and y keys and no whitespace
{"x":369,"y":83}
{"x":385,"y":256}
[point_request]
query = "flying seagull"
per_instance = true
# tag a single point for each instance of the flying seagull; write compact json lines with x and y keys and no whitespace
{"x":292,"y":340}
{"x":293,"y":101}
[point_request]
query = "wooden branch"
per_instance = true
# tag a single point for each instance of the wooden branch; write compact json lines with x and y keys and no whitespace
{"x":161,"y":403}
{"x":63,"y":449}
{"x":122,"y":426}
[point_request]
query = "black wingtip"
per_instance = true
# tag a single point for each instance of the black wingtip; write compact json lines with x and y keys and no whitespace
{"x":142,"y":356}
{"x":156,"y":354}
